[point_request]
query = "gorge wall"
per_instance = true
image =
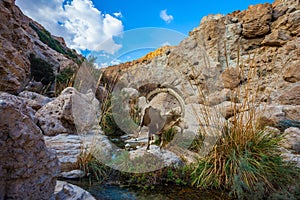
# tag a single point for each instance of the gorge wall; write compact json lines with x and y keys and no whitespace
{"x":29,"y":52}
{"x":219,"y":54}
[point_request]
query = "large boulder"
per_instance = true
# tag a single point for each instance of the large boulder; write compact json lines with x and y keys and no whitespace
{"x":70,"y":113}
{"x":28,"y":169}
{"x":70,"y":148}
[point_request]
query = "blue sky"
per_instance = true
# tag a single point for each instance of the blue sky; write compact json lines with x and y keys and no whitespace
{"x":118,"y":30}
{"x":186,"y":13}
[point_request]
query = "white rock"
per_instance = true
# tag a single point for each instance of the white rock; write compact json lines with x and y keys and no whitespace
{"x":67,"y":191}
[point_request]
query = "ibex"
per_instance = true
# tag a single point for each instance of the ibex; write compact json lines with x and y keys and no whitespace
{"x":157,"y":122}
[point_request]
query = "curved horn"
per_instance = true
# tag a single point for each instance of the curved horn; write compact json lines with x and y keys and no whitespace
{"x":171,"y":92}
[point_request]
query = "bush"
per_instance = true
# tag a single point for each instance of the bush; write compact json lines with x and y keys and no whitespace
{"x":47,"y":39}
{"x":40,"y":70}
{"x":246,"y":160}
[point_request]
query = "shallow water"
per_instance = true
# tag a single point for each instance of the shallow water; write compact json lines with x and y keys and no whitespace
{"x":113,"y":192}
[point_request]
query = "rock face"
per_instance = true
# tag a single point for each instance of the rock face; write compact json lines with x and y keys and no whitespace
{"x":255,"y":52}
{"x":22,"y":50}
{"x":28,"y":169}
{"x":69,"y":113}
{"x":258,"y":47}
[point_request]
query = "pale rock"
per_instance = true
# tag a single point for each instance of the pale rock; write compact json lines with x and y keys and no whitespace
{"x":72,"y":112}
{"x":292,"y":112}
{"x":168,"y":158}
{"x":69,"y":148}
{"x":35,"y":100}
{"x":67,"y":191}
{"x":292,"y":71}
{"x":74,"y":174}
{"x":291,"y":96}
{"x":28,"y":168}
{"x":292,"y":136}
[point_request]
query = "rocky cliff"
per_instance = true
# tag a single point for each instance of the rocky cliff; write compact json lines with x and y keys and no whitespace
{"x":219,"y":54}
{"x":29,"y":52}
{"x":253,"y":53}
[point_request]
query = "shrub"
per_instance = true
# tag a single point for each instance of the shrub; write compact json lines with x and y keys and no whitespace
{"x":47,"y":39}
{"x":246,"y":160}
{"x":40,"y":70}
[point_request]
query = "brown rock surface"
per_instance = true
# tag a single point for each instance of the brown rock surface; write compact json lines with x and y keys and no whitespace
{"x":256,"y":21}
{"x":18,"y":40}
{"x":28,"y":169}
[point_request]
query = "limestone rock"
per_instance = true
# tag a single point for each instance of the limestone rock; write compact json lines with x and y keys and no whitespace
{"x":67,"y":191}
{"x":231,"y":77}
{"x":292,"y":72}
{"x":70,"y":113}
{"x":28,"y":169}
{"x":291,"y":96}
{"x":72,"y":174}
{"x":292,"y":112}
{"x":168,"y":158}
{"x":67,"y":148}
{"x":70,"y":147}
{"x":256,"y":21}
{"x":277,"y":38}
{"x":18,"y":40}
{"x":35,"y":100}
{"x":292,"y":136}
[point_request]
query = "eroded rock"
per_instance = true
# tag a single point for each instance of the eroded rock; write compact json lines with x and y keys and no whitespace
{"x":70,"y":113}
{"x":28,"y":169}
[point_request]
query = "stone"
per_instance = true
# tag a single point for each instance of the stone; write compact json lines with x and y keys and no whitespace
{"x":281,"y":7}
{"x":74,"y":174}
{"x":256,"y":21}
{"x":35,"y":100}
{"x":291,"y":96}
{"x":291,"y":72}
{"x":67,"y":191}
{"x":70,"y":113}
{"x":290,"y":157}
{"x":292,"y":112}
{"x":277,"y":38}
{"x":69,"y":148}
{"x":231,"y":77}
{"x":292,"y":139}
{"x":229,"y":109}
{"x":28,"y":169}
{"x":270,"y":115}
{"x":168,"y":158}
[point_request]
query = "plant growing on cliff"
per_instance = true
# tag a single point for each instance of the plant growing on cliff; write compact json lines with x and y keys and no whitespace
{"x":46,"y":38}
{"x":246,"y":160}
{"x":40,"y":70}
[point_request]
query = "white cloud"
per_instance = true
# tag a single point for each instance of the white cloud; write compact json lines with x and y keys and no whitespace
{"x":81,"y":24}
{"x":164,"y":16}
{"x":118,"y":14}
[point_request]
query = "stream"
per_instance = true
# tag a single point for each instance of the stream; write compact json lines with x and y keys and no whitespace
{"x":170,"y":192}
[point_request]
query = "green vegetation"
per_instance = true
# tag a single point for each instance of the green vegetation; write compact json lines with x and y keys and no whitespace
{"x":64,"y":79}
{"x":93,"y":168}
{"x":46,"y":38}
{"x":40,"y":70}
{"x":246,"y":160}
